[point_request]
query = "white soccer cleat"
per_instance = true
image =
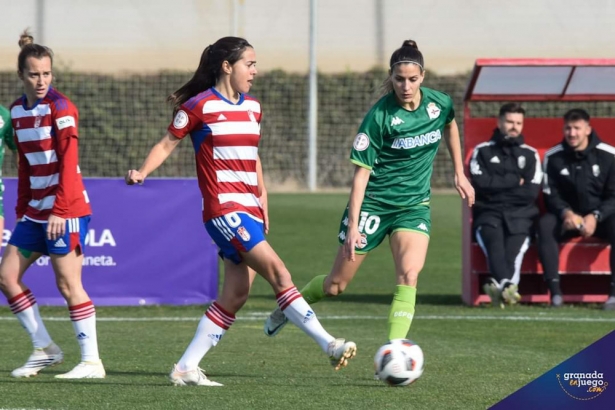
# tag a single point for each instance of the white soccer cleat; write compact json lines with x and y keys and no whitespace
{"x":85,"y":370}
{"x":39,"y":360}
{"x":492,"y":290}
{"x":340,"y":352}
{"x":511,"y":295}
{"x":194,"y":377}
{"x":275,"y":322}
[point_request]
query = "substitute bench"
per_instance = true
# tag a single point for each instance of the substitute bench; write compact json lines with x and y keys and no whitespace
{"x":584,"y":263}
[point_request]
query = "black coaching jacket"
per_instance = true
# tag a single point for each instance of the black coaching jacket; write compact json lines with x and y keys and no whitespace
{"x":583,"y":181}
{"x":496,"y":170}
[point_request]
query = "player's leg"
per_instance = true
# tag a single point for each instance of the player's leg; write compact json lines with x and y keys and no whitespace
{"x":21,"y":300}
{"x":516,"y":246}
{"x":549,"y":234}
{"x":606,"y":231}
{"x":66,"y":253}
{"x":409,"y":242}
{"x":491,"y":239}
{"x":215,"y":322}
{"x":373,"y":226}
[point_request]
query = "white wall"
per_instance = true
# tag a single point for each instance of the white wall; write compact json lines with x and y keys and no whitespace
{"x":133,"y":35}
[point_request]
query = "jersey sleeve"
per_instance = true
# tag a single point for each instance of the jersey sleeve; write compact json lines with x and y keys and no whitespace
{"x":6,"y":129}
{"x":368,"y":142}
{"x":65,"y":126}
{"x":184,"y":121}
{"x":450,"y":116}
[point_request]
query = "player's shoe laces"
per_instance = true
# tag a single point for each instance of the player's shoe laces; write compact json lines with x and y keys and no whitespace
{"x":275,"y":322}
{"x":194,"y":377}
{"x":39,"y":360}
{"x":340,"y":352}
{"x":85,"y":370}
{"x":492,"y":290}
{"x":511,"y":295}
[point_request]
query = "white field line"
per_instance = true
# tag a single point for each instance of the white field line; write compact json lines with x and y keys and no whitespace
{"x":257,"y":316}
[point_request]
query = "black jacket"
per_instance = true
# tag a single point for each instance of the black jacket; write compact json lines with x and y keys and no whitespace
{"x":496,"y":170}
{"x":583,"y":181}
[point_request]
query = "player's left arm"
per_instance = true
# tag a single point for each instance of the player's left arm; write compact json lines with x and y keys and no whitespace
{"x":262,"y":193}
{"x":65,"y":126}
{"x":453,"y":143}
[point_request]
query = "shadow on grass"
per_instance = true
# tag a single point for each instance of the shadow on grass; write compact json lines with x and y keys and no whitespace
{"x":429,"y":299}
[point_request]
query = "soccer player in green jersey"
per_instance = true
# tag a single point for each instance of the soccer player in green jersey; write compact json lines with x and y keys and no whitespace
{"x":393,"y":155}
{"x":6,"y":139}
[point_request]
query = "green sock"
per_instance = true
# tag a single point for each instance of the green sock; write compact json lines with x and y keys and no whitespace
{"x":313,"y":292}
{"x":402,"y":311}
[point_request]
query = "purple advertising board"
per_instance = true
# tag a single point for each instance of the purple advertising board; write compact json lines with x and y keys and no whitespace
{"x":146,"y":245}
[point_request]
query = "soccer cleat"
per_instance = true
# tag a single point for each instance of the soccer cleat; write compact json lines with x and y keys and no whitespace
{"x":39,"y":360}
{"x":511,"y":295}
{"x":194,"y":377}
{"x":275,"y":322}
{"x":492,"y":290}
{"x":85,"y":370}
{"x":609,"y":304}
{"x":340,"y":351}
{"x":557,"y":301}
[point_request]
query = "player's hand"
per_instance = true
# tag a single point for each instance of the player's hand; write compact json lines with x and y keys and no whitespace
{"x":353,"y":240}
{"x":265,"y":206}
{"x":465,"y":188}
{"x":56,"y":227}
{"x":589,"y":226}
{"x":134,"y":177}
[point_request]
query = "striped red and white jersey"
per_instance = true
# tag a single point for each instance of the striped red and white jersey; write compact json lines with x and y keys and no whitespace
{"x":225,"y":137}
{"x":47,"y":143}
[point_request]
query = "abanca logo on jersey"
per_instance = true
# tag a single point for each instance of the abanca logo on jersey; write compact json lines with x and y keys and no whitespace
{"x":418,"y":141}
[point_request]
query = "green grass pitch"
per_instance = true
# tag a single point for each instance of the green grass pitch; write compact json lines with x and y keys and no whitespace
{"x":474,"y":356}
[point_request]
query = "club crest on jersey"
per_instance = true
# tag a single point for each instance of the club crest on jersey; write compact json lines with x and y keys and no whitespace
{"x":521,"y":162}
{"x":596,"y":170}
{"x":243,"y":233}
{"x":37,"y":121}
{"x":361,"y":142}
{"x":181,"y":119}
{"x":251,"y":115}
{"x":433,"y":110}
{"x":362,"y":242}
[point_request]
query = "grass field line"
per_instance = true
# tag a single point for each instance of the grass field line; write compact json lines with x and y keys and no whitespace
{"x":257,"y":316}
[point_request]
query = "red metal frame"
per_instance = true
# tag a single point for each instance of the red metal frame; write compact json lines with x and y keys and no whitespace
{"x":542,"y":133}
{"x":538,"y":62}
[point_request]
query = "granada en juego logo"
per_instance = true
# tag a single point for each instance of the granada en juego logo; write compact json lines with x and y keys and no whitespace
{"x":583,"y":386}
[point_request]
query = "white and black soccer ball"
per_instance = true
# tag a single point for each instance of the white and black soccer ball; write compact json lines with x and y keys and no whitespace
{"x":399,"y":362}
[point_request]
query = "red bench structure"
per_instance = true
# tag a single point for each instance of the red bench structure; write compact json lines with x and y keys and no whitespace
{"x":584,"y":263}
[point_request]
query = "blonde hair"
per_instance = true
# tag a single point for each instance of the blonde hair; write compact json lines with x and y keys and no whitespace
{"x":25,"y":38}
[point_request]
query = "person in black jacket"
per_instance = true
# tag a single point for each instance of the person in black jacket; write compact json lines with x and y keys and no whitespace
{"x":579,"y":191}
{"x":506,"y":175}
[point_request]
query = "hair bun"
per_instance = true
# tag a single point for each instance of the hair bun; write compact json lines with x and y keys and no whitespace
{"x":410,"y":43}
{"x":25,"y":39}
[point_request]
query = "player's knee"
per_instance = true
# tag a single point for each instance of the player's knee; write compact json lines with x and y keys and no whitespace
{"x":410,"y":276}
{"x":68,"y":289}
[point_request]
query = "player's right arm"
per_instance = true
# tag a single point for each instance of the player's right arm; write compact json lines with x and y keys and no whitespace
{"x":183,"y":123}
{"x":357,"y":193}
{"x":24,"y":193}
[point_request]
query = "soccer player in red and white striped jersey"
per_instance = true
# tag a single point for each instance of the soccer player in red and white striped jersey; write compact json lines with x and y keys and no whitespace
{"x":223,"y":122}
{"x":53,"y":212}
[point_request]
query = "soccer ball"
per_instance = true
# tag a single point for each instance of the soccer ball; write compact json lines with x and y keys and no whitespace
{"x":399,"y":362}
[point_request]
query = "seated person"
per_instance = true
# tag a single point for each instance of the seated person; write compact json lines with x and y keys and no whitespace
{"x":506,"y":175}
{"x":579,"y":191}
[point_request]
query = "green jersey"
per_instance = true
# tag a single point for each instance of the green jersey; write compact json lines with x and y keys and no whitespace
{"x":6,"y":133}
{"x":399,"y":147}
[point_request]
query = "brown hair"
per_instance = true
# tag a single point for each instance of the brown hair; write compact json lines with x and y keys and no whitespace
{"x":30,"y":49}
{"x":407,"y":53}
{"x":208,"y":72}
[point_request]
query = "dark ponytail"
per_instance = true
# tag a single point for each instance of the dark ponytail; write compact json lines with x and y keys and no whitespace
{"x":407,"y":53}
{"x":208,"y":72}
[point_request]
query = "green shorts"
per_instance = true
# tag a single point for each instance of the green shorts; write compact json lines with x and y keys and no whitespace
{"x":377,"y":221}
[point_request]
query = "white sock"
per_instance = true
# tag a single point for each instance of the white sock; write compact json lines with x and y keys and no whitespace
{"x":83,"y":317}
{"x":214,"y":323}
{"x":24,"y":306}
{"x":301,"y":314}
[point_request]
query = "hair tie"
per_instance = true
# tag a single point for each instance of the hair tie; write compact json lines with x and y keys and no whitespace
{"x":408,"y":62}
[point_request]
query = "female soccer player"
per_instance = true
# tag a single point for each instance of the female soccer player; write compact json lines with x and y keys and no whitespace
{"x":6,"y":140}
{"x":224,"y":125}
{"x":393,"y":155}
{"x":53,"y":212}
